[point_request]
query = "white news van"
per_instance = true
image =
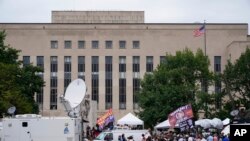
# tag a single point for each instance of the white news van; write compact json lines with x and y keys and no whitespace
{"x":32,"y":127}
{"x":114,"y":134}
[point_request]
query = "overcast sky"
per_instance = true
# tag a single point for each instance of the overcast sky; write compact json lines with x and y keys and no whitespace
{"x":156,"y":11}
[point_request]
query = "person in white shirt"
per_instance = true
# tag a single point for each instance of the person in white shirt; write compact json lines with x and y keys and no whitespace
{"x":190,"y":138}
{"x":181,"y":138}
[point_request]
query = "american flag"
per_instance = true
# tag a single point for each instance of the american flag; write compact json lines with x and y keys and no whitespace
{"x":198,"y":32}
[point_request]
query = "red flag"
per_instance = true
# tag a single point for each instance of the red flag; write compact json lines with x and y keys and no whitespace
{"x":198,"y":32}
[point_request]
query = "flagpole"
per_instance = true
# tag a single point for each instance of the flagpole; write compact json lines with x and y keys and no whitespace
{"x":205,"y":52}
{"x":205,"y":40}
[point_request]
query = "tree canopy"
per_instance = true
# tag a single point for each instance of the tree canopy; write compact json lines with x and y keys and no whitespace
{"x":236,"y":78}
{"x":17,"y":84}
{"x":175,"y":83}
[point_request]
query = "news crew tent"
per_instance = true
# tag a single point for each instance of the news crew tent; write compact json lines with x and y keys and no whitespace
{"x":130,"y":119}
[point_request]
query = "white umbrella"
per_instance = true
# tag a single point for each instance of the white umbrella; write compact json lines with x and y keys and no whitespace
{"x":205,"y":123}
{"x":217,"y":123}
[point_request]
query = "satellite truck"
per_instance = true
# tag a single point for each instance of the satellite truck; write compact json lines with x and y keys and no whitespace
{"x":32,"y":127}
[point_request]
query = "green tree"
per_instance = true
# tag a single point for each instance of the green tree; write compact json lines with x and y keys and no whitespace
{"x":175,"y":83}
{"x":236,"y":79}
{"x":17,"y":84}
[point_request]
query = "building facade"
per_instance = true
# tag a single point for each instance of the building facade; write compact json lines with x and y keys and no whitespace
{"x":112,"y":51}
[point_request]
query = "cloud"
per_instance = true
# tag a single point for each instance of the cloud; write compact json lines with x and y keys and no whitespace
{"x":172,"y":11}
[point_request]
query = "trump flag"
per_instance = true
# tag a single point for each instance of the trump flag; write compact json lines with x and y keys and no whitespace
{"x":181,"y":114}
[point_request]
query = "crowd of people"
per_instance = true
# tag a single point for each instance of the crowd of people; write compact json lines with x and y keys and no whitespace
{"x":93,"y":132}
{"x":170,"y":135}
{"x":173,"y":136}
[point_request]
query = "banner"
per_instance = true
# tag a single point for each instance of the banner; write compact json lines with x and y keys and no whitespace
{"x":180,"y":115}
{"x":105,"y":119}
{"x":186,"y":124}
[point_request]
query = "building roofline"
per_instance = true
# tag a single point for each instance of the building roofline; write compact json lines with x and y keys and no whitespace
{"x":96,"y":11}
{"x":134,"y":23}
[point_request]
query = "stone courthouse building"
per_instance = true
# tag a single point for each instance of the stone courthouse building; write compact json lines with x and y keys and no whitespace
{"x":111,"y":51}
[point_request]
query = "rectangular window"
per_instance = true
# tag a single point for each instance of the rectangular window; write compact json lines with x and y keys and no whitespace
{"x":81,"y":63}
{"x":136,"y":63}
{"x":95,"y":90}
{"x":204,"y":85}
{"x":39,"y":99}
{"x":218,"y":92}
{"x":149,"y":64}
{"x":25,"y":124}
{"x":162,"y":59}
{"x":109,"y":44}
{"x":53,"y":64}
{"x":53,"y":82}
{"x":136,"y":44}
{"x":136,"y":88}
{"x":67,"y":71}
{"x":122,"y":94}
{"x":95,"y":44}
{"x":217,"y":63}
{"x":39,"y":95}
{"x":26,"y":60}
{"x":217,"y":69}
{"x":108,"y":93}
{"x":67,"y":63}
{"x":95,"y":64}
{"x":122,"y":64}
{"x":108,"y":82}
{"x":81,"y":67}
{"x":95,"y":78}
{"x":122,"y":44}
{"x":53,"y":44}
{"x":40,"y":61}
{"x":81,"y":44}
{"x":108,"y":65}
{"x":67,"y":44}
{"x":53,"y":99}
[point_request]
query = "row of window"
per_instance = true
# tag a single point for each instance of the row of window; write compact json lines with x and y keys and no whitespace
{"x":108,"y":77}
{"x":94,"y":44}
{"x":136,"y":60}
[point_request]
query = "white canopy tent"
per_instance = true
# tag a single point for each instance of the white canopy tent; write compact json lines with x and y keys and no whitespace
{"x":226,"y":130}
{"x":130,"y":119}
{"x":165,"y":124}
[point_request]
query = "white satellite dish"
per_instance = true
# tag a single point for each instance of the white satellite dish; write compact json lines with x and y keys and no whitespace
{"x":12,"y":110}
{"x":75,"y":92}
{"x":234,"y":112}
